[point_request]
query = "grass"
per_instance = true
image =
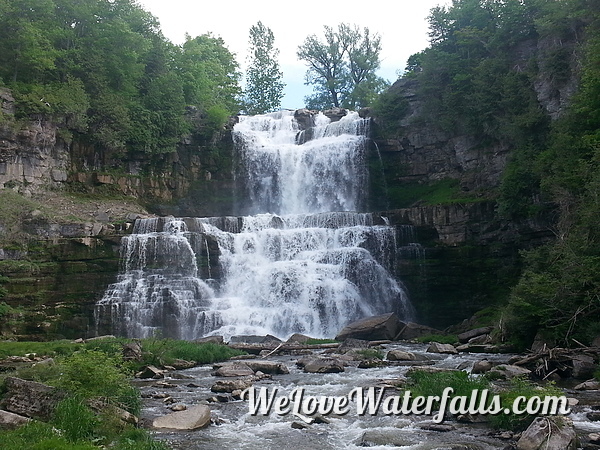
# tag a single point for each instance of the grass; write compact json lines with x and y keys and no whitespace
{"x":313,"y":341}
{"x":520,"y":387}
{"x":165,"y":351}
{"x":370,"y":353}
{"x":91,"y":370}
{"x":423,"y":383}
{"x":433,"y":383}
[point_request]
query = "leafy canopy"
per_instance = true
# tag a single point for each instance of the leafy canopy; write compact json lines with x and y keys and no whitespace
{"x":264,"y":88}
{"x":342,"y":67}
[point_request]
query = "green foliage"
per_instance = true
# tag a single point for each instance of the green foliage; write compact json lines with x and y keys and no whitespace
{"x":39,"y":436}
{"x":370,"y":353}
{"x":423,"y":383}
{"x":264,"y":88}
{"x":559,"y":291}
{"x":104,"y":69}
{"x":165,"y":351}
{"x":76,"y":421}
{"x":520,"y":387}
{"x":342,"y":67}
{"x":52,"y":348}
{"x":91,"y":374}
{"x":312,"y":341}
{"x":440,"y":192}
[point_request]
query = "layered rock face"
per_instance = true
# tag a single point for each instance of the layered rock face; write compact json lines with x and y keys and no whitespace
{"x":39,"y":154}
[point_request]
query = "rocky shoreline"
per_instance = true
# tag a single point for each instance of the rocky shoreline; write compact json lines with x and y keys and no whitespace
{"x":195,"y":406}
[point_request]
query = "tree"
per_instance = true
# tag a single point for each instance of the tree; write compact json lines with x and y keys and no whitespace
{"x":264,"y":88}
{"x":342,"y":68}
{"x":210,"y":74}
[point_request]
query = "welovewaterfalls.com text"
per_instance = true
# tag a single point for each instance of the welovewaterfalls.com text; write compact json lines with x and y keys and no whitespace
{"x":372,"y":401}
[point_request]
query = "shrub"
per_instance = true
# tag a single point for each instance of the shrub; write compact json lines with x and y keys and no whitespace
{"x":90,"y":374}
{"x":165,"y":351}
{"x":370,"y":353}
{"x":39,"y":436}
{"x":76,"y":421}
{"x":520,"y":387}
{"x":433,"y":383}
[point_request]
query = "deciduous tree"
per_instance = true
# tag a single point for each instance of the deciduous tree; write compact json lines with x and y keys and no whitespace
{"x":264,"y":86}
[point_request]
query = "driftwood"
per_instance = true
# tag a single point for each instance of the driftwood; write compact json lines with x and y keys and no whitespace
{"x":549,"y":361}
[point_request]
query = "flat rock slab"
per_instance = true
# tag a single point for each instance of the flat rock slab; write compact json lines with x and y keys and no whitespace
{"x":373,"y":328}
{"x":191,"y":419}
{"x":10,"y":421}
{"x":271,"y":367}
{"x":30,"y":399}
{"x":436,"y":347}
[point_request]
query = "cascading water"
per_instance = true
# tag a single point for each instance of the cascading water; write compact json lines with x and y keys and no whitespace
{"x":303,"y":263}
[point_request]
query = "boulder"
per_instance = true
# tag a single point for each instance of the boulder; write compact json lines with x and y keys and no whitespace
{"x":507,"y":371}
{"x":583,"y":367}
{"x":383,"y":327}
{"x":132,"y":351}
{"x":150,"y":372}
{"x":191,"y":419}
{"x":299,"y":425}
{"x":541,"y":343}
{"x":414,"y":330}
{"x":210,"y":340}
{"x":10,"y":421}
{"x":352,"y":344}
{"x":254,"y":339}
{"x":305,"y":118}
{"x":590,"y":385}
{"x":181,"y":364}
{"x":102,"y":407}
{"x":478,"y":348}
{"x":30,"y":399}
{"x":234,"y":369}
{"x":436,"y":347}
{"x":399,"y":355}
{"x":481,"y":366}
{"x":371,"y":363}
{"x":231,"y":385}
{"x":480,"y":340}
{"x":323,"y":365}
{"x":468,"y":335}
{"x":548,"y":433}
{"x":298,"y":338}
{"x":271,"y":367}
{"x":335,"y":114}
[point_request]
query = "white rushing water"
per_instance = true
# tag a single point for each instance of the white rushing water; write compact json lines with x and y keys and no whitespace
{"x":304,"y":262}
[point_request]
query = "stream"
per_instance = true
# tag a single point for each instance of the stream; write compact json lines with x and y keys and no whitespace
{"x":239,"y":429}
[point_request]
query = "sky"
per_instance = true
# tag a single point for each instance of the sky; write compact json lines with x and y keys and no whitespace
{"x":402,"y":25}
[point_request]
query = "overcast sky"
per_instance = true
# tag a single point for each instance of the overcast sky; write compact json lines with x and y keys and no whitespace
{"x":402,"y":25}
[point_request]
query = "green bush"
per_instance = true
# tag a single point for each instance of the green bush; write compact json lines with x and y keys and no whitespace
{"x":520,"y":387}
{"x":76,"y":420}
{"x":425,"y":383}
{"x":165,"y":351}
{"x":370,"y":353}
{"x":91,"y":374}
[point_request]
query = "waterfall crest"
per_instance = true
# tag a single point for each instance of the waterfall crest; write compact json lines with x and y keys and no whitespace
{"x":305,"y":262}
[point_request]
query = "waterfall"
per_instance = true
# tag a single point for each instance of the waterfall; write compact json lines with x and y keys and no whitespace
{"x":300,"y":259}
